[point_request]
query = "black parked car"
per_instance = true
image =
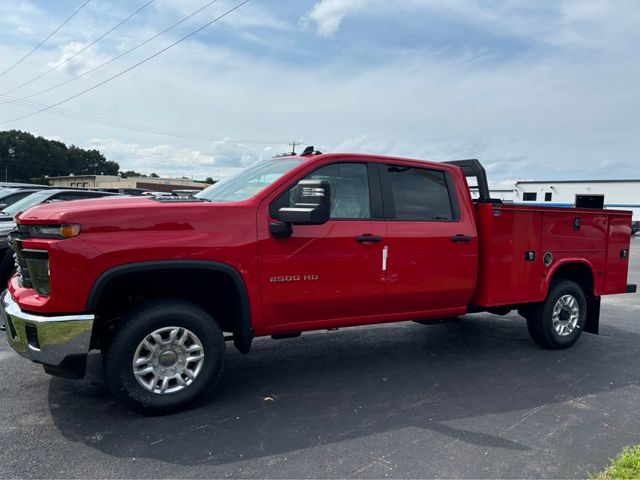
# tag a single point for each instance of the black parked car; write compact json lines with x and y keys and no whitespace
{"x":9,"y":196}
{"x":7,"y":223}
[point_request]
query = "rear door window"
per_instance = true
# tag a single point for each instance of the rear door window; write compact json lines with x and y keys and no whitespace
{"x":420,"y":194}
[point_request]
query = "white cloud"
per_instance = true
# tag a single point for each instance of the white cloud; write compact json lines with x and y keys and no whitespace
{"x":88,"y":59}
{"x":217,"y":160}
{"x":329,"y":14}
{"x":569,"y":111}
{"x":22,"y":19}
{"x":526,"y":118}
{"x":596,"y":24}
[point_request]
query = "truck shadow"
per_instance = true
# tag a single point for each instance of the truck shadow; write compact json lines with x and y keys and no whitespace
{"x":327,"y":388}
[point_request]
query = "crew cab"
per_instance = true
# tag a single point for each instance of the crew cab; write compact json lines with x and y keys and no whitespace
{"x":293,"y":244}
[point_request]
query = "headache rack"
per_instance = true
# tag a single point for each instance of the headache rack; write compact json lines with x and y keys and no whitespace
{"x":473,"y":168}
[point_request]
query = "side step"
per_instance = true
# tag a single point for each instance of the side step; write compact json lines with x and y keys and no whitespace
{"x":436,"y":321}
{"x":282,"y":336}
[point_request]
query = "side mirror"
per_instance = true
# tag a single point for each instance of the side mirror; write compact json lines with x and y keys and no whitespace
{"x":312,"y":205}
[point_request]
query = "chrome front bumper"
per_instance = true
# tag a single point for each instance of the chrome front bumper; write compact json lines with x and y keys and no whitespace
{"x":57,"y":342}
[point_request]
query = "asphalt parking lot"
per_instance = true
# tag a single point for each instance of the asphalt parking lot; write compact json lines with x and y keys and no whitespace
{"x":471,"y":398}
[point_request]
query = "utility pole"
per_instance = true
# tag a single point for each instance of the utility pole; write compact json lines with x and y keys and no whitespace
{"x":293,"y":147}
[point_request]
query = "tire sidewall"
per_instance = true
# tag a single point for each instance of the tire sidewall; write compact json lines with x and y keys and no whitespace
{"x":558,"y":291}
{"x":141,"y":323}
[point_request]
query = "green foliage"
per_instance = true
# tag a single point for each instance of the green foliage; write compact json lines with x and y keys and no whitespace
{"x":131,"y":173}
{"x":154,"y":175}
{"x":40,"y":181}
{"x":210,"y":180}
{"x":625,"y":466}
{"x":24,"y":156}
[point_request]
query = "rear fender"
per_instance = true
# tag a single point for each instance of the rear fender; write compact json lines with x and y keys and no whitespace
{"x":575,"y":269}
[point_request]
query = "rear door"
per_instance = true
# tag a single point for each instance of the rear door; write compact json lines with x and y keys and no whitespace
{"x":432,"y":242}
{"x":324,"y":274}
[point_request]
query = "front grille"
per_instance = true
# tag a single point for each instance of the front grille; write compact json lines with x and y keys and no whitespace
{"x":21,"y":264}
{"x":15,"y":242}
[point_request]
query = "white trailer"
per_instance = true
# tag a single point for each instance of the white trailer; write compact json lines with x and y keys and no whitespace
{"x":616,"y":194}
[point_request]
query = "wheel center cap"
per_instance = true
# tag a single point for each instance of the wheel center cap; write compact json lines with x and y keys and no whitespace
{"x":168,"y":358}
{"x":565,"y":314}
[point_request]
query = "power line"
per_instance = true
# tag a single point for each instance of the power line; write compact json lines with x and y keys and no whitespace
{"x":68,"y":59}
{"x":126,"y":52}
{"x":113,"y":77}
{"x":44,"y":41}
{"x":131,"y":126}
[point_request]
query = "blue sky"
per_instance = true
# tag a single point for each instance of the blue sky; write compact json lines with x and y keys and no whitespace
{"x":534,"y":89}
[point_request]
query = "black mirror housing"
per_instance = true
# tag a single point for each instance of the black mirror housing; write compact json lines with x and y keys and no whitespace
{"x":312,"y":206}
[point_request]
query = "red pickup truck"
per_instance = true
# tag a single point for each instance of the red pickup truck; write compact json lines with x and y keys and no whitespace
{"x":292,"y":244}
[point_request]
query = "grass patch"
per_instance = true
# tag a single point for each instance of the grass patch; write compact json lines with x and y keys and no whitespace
{"x":625,"y":466}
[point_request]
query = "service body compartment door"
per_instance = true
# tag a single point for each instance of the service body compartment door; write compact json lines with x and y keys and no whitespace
{"x":618,"y":254}
{"x":510,"y":265}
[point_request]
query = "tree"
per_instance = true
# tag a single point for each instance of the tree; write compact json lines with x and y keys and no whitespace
{"x":209,"y":180}
{"x":131,"y":173}
{"x":24,"y":157}
{"x":154,"y":175}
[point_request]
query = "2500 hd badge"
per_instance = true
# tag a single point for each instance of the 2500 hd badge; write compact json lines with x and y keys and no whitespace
{"x":293,"y":278}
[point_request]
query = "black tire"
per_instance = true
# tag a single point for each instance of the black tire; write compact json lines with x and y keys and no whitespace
{"x":7,"y":267}
{"x":140,"y":323}
{"x":540,"y":316}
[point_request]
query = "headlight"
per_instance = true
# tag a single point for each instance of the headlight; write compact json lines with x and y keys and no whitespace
{"x":54,"y":231}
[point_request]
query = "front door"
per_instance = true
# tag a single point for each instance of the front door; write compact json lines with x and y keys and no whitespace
{"x":326,"y":274}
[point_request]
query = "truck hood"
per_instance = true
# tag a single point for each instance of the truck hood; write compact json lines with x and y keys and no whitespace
{"x":118,"y":214}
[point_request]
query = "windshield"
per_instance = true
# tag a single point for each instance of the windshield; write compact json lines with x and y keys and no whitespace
{"x":7,"y":192}
{"x":250,"y":181}
{"x":27,"y":202}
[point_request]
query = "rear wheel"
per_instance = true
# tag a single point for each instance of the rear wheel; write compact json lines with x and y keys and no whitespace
{"x":558,"y":322}
{"x":164,"y":356}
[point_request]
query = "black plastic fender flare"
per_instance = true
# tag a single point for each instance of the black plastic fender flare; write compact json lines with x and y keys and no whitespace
{"x":242,"y":337}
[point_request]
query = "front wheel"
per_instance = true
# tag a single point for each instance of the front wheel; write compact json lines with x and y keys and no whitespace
{"x":558,"y":322}
{"x":164,"y":356}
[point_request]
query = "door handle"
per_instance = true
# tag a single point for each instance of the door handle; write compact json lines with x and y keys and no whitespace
{"x":368,"y":238}
{"x":461,"y":238}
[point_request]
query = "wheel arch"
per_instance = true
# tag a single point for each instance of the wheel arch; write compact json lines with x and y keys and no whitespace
{"x":240,"y":326}
{"x":576,"y":270}
{"x":581,"y":272}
